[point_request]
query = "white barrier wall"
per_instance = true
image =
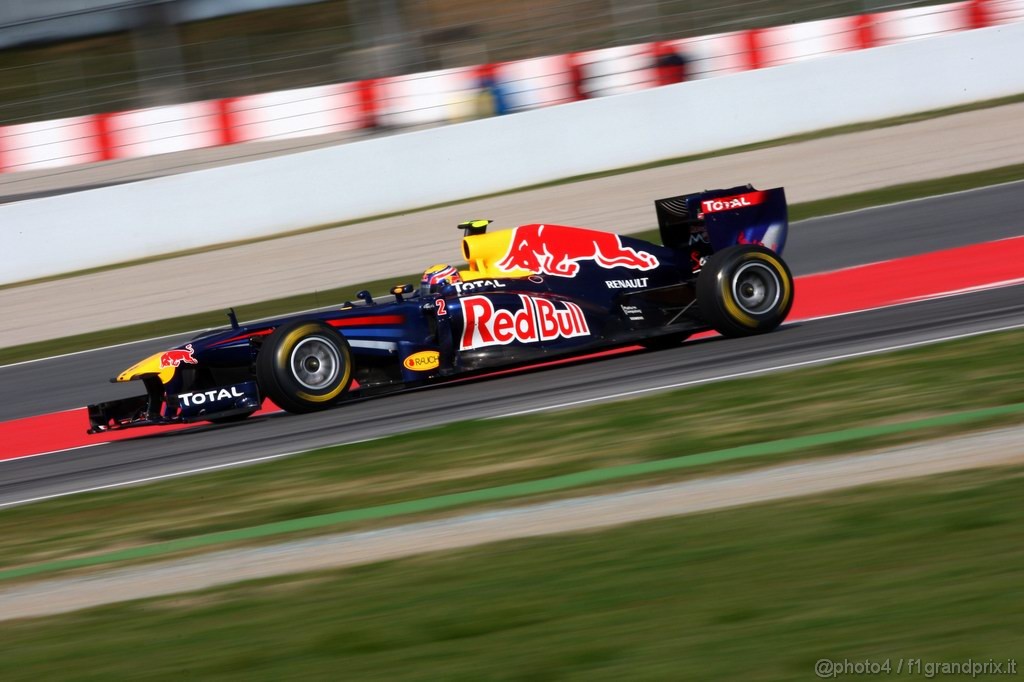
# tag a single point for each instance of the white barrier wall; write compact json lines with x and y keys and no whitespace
{"x":85,"y":229}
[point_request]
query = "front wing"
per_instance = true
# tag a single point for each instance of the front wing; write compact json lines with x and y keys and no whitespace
{"x":157,"y":408}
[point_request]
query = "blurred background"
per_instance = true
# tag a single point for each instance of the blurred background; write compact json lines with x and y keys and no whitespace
{"x":927,"y":135}
{"x":66,"y":58}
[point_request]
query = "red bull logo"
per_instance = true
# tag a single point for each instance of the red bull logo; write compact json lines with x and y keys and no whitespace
{"x":557,"y":250}
{"x":173,"y":358}
{"x":539,"y":320}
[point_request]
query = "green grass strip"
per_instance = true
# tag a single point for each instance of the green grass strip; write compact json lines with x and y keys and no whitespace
{"x":514,"y":490}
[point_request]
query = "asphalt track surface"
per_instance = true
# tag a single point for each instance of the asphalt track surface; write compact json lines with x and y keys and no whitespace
{"x":817,"y":245}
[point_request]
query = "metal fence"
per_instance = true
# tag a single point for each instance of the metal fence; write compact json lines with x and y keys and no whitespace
{"x":346,"y":40}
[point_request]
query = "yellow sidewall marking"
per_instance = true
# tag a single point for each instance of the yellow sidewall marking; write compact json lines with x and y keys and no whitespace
{"x":787,"y":285}
{"x":285,"y":350}
{"x":733,"y":308}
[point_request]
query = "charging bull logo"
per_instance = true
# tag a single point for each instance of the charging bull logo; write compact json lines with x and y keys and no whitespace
{"x":557,"y":250}
{"x":173,"y":358}
{"x":539,"y":320}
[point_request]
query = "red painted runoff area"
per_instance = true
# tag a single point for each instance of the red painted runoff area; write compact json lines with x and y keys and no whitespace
{"x":928,"y":275}
{"x":865,"y":287}
{"x":66,"y":430}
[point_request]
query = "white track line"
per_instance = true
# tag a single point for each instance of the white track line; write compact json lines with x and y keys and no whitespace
{"x":178,"y":474}
{"x":92,"y":350}
{"x":155,"y":338}
{"x":967,"y":290}
{"x":906,"y":201}
{"x":919,"y":299}
{"x":755,"y":372}
{"x":53,"y":452}
{"x":607,"y":397}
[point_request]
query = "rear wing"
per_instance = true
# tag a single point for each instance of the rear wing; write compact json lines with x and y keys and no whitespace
{"x":740,"y":215}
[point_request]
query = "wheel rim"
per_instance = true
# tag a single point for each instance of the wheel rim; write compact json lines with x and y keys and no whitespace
{"x":756,"y":288}
{"x":315,"y":363}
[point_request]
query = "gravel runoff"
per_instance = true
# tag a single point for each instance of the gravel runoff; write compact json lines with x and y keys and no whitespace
{"x":811,"y":170}
{"x":811,"y":477}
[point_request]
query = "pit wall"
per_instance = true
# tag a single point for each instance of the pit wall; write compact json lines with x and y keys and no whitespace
{"x":401,"y":172}
{"x":355,"y":110}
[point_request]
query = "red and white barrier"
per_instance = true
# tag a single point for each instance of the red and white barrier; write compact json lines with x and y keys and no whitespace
{"x":293,"y":113}
{"x":999,"y":12}
{"x":425,"y":98}
{"x":796,"y":42}
{"x":616,"y":70}
{"x":47,"y":144}
{"x":450,"y":95}
{"x":534,"y":83}
{"x":160,"y":130}
{"x":915,"y":23}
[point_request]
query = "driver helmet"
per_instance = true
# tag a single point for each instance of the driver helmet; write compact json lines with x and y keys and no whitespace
{"x":437,"y":276}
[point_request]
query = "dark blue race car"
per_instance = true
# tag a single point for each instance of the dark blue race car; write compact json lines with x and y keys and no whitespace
{"x":527,"y":294}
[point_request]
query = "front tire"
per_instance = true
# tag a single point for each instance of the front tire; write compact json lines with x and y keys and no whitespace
{"x":304,"y":367}
{"x":745,"y":290}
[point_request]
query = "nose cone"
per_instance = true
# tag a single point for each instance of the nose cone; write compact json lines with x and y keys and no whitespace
{"x":154,"y":364}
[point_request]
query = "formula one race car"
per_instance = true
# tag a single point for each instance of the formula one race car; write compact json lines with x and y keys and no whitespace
{"x":527,"y":294}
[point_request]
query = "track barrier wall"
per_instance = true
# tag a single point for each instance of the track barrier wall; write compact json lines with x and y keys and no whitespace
{"x":358,"y":109}
{"x":401,"y":172}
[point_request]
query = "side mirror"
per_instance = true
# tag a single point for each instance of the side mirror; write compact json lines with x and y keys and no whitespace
{"x":400,"y":289}
{"x":365,"y":297}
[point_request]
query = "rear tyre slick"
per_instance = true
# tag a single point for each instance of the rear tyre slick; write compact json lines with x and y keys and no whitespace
{"x":304,"y":367}
{"x":745,"y":290}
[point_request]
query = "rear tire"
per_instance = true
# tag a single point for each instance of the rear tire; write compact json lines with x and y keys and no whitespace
{"x":304,"y":367}
{"x":744,"y":290}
